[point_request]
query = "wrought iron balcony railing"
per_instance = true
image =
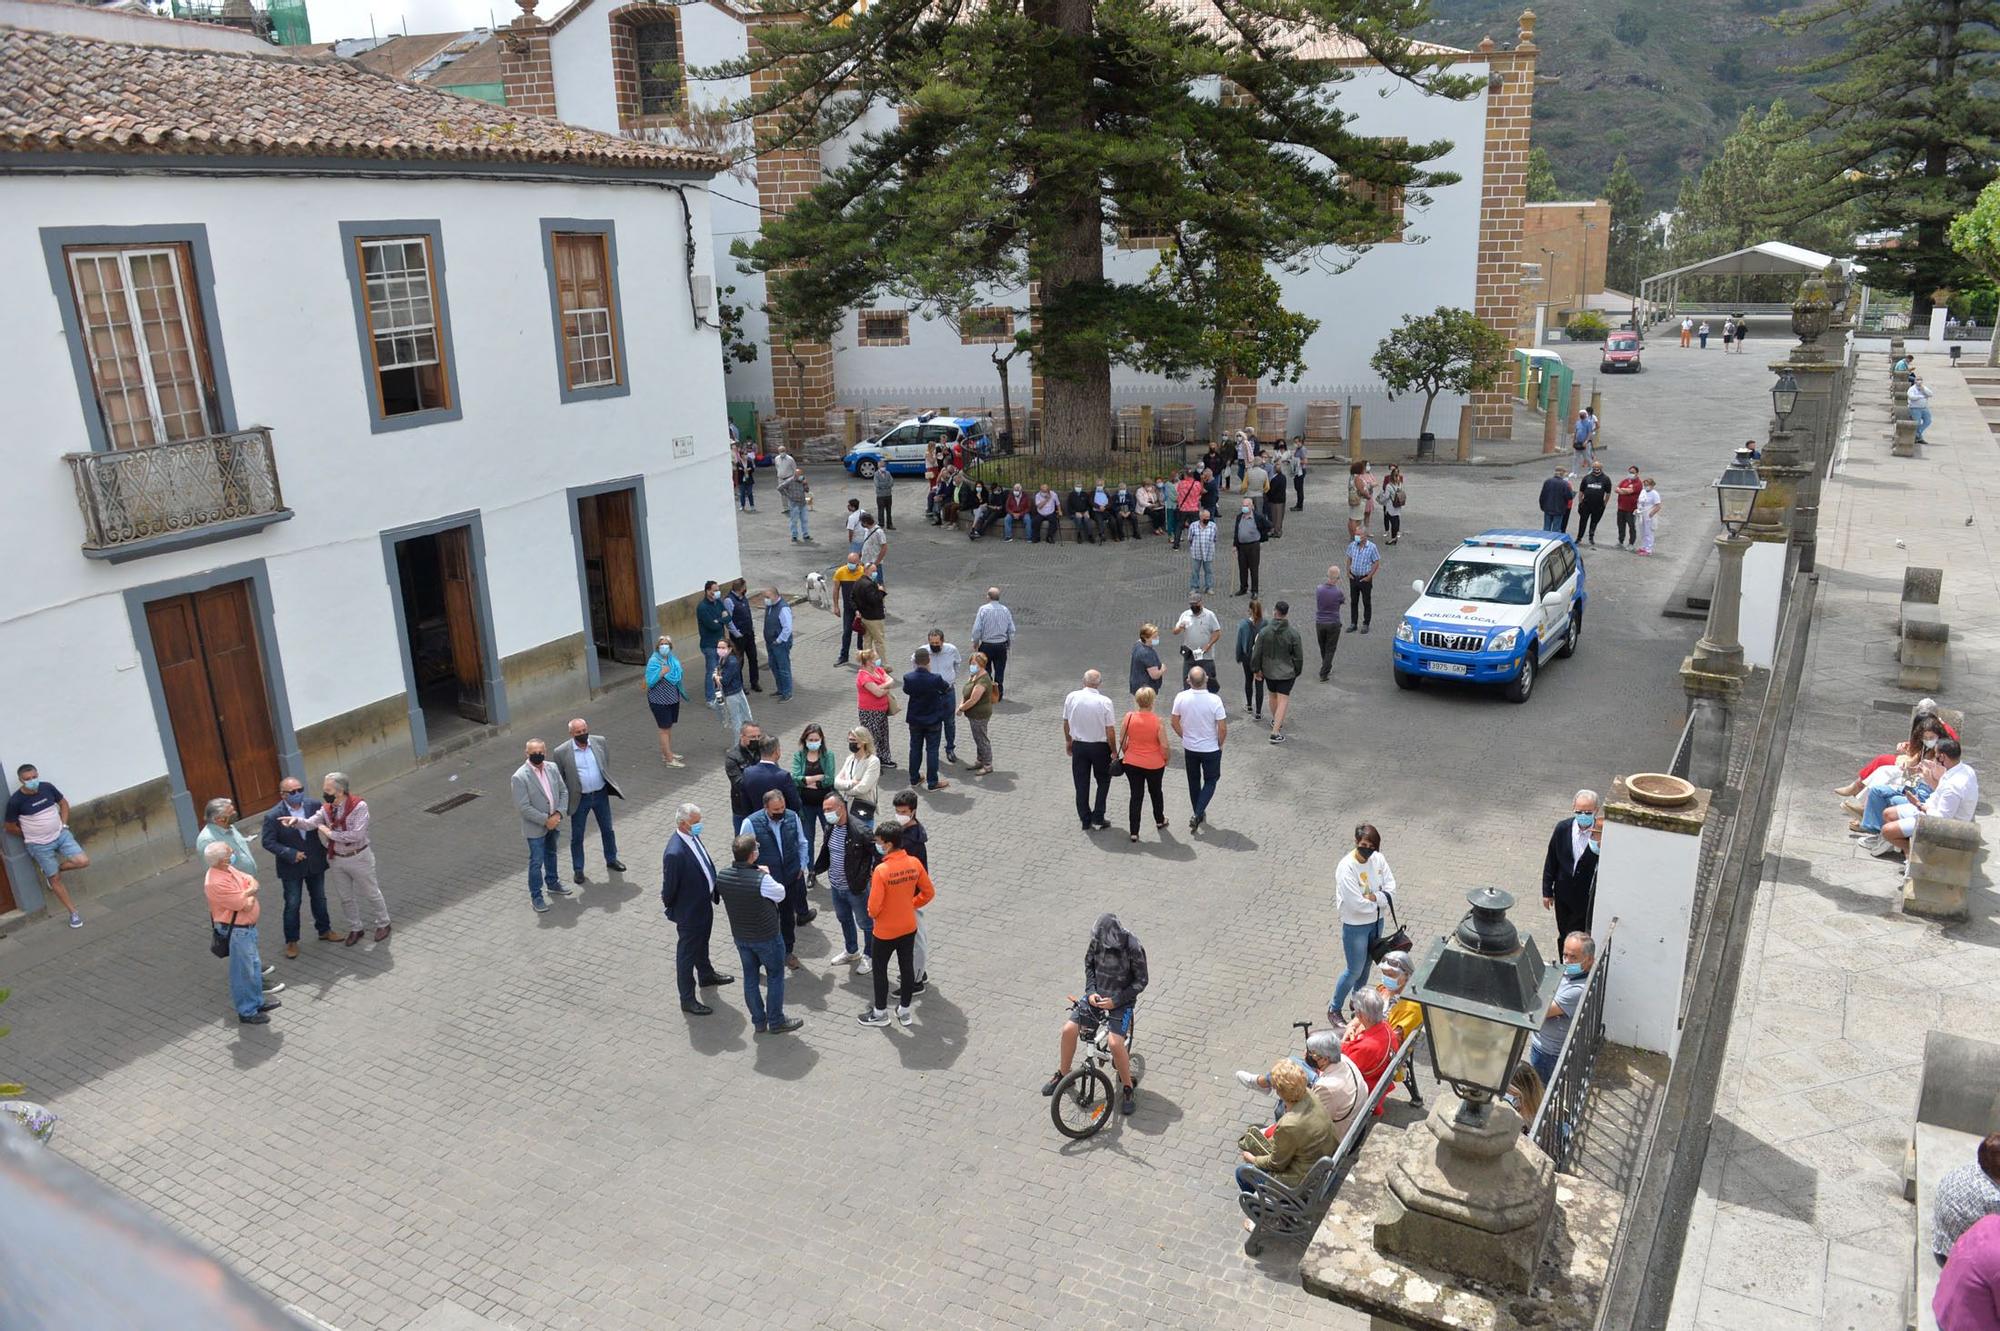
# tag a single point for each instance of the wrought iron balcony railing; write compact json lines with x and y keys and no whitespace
{"x":140,"y":500}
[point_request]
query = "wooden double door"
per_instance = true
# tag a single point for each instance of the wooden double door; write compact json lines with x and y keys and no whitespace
{"x":608,"y":524}
{"x":218,"y":702}
{"x":440,"y":591}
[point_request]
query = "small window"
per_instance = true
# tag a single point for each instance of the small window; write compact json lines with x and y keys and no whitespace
{"x":656,"y":51}
{"x":143,"y":335}
{"x":885,"y":328}
{"x":400,"y":297}
{"x":1145,"y":236}
{"x":993,"y":323}
{"x":584,"y":304}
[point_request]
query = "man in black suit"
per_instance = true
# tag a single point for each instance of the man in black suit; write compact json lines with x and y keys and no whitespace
{"x":301,"y":860}
{"x":1569,"y":871}
{"x":687,"y":890}
{"x":748,"y":749}
{"x":763,"y":776}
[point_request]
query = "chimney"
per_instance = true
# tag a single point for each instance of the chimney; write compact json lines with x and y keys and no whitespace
{"x":527,"y":76}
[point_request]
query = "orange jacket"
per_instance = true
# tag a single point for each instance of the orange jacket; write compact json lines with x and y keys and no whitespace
{"x":897,"y":888}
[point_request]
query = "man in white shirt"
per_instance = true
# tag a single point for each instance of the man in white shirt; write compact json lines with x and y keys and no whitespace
{"x":1199,"y":630}
{"x":945,"y":662}
{"x":1088,"y":723}
{"x":1955,"y":797}
{"x":993,"y":633}
{"x":1203,"y":724}
{"x":585,"y":764}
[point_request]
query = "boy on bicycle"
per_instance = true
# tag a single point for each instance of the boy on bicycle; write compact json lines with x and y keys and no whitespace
{"x":1114,"y":975}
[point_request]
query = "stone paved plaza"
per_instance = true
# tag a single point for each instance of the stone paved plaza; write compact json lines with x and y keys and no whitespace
{"x":508,"y":1112}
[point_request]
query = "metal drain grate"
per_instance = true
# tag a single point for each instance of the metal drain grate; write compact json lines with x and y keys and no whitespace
{"x":454,"y":802}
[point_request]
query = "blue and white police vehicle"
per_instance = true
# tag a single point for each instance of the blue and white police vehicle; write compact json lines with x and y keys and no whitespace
{"x":1497,"y":609}
{"x":900,"y":451}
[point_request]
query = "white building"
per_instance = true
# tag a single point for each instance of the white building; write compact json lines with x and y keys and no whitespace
{"x":597,"y":64}
{"x":350,"y":418}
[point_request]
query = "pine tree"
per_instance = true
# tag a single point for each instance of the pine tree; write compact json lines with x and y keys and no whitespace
{"x":1633,"y":250}
{"x":1030,"y":131}
{"x":1910,"y":131}
{"x":1542,"y":187}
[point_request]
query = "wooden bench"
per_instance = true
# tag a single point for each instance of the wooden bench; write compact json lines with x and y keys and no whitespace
{"x":1958,"y":1103}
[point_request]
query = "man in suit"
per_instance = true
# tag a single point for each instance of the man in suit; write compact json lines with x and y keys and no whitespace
{"x":540,"y":797}
{"x":735,"y":761}
{"x":687,"y":891}
{"x":930,"y":706}
{"x":782,"y":853}
{"x":763,"y":776}
{"x":1569,"y":871}
{"x":301,"y":860}
{"x":586,"y":769}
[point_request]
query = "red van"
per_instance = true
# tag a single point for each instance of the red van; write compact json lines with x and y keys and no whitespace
{"x":1621,"y":352}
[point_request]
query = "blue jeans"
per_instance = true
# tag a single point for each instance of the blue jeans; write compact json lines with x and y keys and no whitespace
{"x":313,"y":885}
{"x":856,"y":929}
{"x":1027,"y":522}
{"x":246,"y":971}
{"x":770,"y":956}
{"x":1354,"y":941}
{"x":1201,"y":575}
{"x":1554,"y":521}
{"x":1922,"y":417}
{"x":735,"y":712}
{"x":951,"y":733}
{"x":1203,"y":771}
{"x":797,"y":513}
{"x":1543,"y":1064}
{"x":779,"y":657}
{"x":924,"y":743}
{"x":598,"y":802}
{"x":709,"y":660}
{"x":1880,"y":799}
{"x":542,"y":865}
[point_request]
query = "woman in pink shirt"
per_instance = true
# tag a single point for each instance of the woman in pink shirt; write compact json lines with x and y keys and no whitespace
{"x":1968,"y":1293}
{"x":232,"y":909}
{"x":872,"y":687}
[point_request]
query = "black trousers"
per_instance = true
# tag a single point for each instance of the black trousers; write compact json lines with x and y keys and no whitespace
{"x":691,"y":961}
{"x":1088,"y":761}
{"x":747,"y":649}
{"x":1298,"y":492}
{"x":1572,"y":916}
{"x":1253,"y":691}
{"x":1587,"y":519}
{"x":1329,"y":643}
{"x":1145,"y":779}
{"x":1628,"y":527}
{"x":996,"y":657}
{"x":789,"y":911}
{"x":1360,"y":602}
{"x":904,"y":950}
{"x":885,"y":506}
{"x":1392,"y":525}
{"x":1247,"y":559}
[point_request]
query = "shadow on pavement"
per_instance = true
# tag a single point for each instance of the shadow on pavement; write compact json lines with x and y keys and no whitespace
{"x":724,"y":1032}
{"x":255,"y":1044}
{"x":938,"y":1038}
{"x":786,"y":1057}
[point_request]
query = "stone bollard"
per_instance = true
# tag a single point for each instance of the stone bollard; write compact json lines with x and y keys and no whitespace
{"x":1941,"y":861}
{"x":1905,"y":445}
{"x":1465,"y":433}
{"x":1921,"y":651}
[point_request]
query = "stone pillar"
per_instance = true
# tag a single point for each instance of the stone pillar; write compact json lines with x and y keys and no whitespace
{"x":1941,"y":866}
{"x":1472,"y":1199}
{"x":1465,"y":417}
{"x":801,"y":372}
{"x":527,"y":77}
{"x":1354,"y":450}
{"x":1712,"y":698}
{"x":1718,"y":651}
{"x":1938,"y":315}
{"x":1556,"y":415}
{"x":1647,"y":875}
{"x":1816,"y":422}
{"x":1510,"y":100}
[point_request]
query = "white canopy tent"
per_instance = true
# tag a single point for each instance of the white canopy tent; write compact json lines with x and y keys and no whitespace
{"x":1660,"y":294}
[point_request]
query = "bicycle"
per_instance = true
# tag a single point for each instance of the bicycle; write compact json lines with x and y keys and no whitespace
{"x":1084,"y":1099}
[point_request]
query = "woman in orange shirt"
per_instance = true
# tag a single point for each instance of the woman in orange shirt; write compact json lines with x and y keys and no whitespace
{"x":897,"y":888}
{"x":1143,"y":746}
{"x":232,"y":908}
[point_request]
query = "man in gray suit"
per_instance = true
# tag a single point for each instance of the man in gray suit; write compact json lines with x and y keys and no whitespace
{"x":541,"y":796}
{"x":586,"y":770}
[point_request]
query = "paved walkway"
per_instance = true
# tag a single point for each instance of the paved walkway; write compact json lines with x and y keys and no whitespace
{"x":1801,"y":1221}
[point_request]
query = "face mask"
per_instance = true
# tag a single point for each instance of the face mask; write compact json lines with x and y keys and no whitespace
{"x":581,"y":741}
{"x":831,"y":817}
{"x":295,"y":798}
{"x":1574,"y":970}
{"x":694,"y":830}
{"x":1586,"y":819}
{"x":853,"y":746}
{"x":329,"y":797}
{"x":664,"y":649}
{"x":1392,"y":982}
{"x":32,"y":784}
{"x":537,"y":758}
{"x":1362,"y":852}
{"x":1930,"y":743}
{"x":813,"y":745}
{"x":975,"y":667}
{"x":712,"y":595}
{"x":902,"y":818}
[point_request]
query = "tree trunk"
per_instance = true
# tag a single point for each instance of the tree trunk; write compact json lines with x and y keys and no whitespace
{"x":1006,"y":403}
{"x":1430,"y":400}
{"x":1217,"y":402}
{"x":1934,"y":257}
{"x":1075,"y":366}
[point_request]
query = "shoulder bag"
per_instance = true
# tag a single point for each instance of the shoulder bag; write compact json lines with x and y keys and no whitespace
{"x":220,"y":934}
{"x":1399,"y":941}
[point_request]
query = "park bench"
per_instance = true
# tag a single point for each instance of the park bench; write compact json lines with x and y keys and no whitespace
{"x":1923,"y":634}
{"x":1958,"y":1103}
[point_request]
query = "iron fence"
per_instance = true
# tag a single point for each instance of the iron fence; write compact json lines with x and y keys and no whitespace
{"x":136,"y":494}
{"x":1568,"y":1091}
{"x":1683,"y":750}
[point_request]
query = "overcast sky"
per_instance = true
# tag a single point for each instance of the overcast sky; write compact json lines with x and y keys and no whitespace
{"x":334,"y":19}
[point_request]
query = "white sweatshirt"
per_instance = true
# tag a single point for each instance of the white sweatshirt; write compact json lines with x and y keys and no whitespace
{"x":1353,"y":880}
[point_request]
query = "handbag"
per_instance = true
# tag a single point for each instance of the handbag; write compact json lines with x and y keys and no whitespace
{"x":1399,"y":941}
{"x":220,"y":934}
{"x":862,"y":809}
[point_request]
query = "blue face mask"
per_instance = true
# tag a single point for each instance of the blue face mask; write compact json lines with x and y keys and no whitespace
{"x":296,"y":798}
{"x":831,"y":817}
{"x":1586,"y":820}
{"x":32,"y":785}
{"x":695,"y":831}
{"x":1574,"y":970}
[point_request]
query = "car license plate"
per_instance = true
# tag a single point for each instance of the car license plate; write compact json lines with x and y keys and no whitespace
{"x":1444,"y":667}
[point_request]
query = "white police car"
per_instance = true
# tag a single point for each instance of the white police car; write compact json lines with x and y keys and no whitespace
{"x":1496,"y":610}
{"x":901,"y":450}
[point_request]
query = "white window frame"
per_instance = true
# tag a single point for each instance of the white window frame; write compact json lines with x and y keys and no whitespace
{"x":368,"y":284}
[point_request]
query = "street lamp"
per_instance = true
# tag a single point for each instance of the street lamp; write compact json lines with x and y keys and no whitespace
{"x":1736,"y":491}
{"x":1483,"y":991}
{"x":1784,"y":397}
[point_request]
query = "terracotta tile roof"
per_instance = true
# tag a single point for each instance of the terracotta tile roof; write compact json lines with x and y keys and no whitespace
{"x":398,"y":56}
{"x":479,"y":65}
{"x":73,"y":94}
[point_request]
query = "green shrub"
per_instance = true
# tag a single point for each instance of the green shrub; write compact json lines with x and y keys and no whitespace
{"x":1587,"y":326}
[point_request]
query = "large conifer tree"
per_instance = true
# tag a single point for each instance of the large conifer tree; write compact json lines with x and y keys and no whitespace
{"x":1030,"y":131}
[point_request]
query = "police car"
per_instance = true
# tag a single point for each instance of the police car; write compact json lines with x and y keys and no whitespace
{"x":1496,"y":610}
{"x":901,"y":450}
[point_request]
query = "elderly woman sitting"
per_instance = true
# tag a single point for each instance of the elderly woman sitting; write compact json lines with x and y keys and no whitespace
{"x":1374,"y":1043}
{"x":1925,"y":725}
{"x":1300,"y":1138}
{"x":1336,"y":1083}
{"x":1406,"y":1015}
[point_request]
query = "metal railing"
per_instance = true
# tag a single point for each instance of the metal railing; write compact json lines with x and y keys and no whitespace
{"x":137,"y":494}
{"x":1683,"y":750}
{"x":1568,"y":1090}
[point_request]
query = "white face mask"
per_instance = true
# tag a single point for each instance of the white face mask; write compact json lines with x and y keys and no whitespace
{"x":903,"y":818}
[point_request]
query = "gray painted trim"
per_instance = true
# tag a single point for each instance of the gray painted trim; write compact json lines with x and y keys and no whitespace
{"x":247,"y":164}
{"x":187,"y":540}
{"x":350,"y":232}
{"x":637,"y":485}
{"x":496,"y":683}
{"x":253,"y":572}
{"x":609,"y":230}
{"x":195,"y":236}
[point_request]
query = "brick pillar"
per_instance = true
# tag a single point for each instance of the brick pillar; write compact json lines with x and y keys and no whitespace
{"x":526,"y":74}
{"x":1503,"y":196}
{"x":801,"y":372}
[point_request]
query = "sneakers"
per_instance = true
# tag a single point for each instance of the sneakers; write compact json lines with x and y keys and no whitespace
{"x":873,"y":1017}
{"x":785,"y":1027}
{"x":843,"y":959}
{"x":541,"y":908}
{"x":1126,"y":1103}
{"x":557,"y":890}
{"x":1249,"y":1079}
{"x":905,"y":1016}
{"x":1277,"y":737}
{"x":75,"y":920}
{"x":277,"y":988}
{"x":864,"y":967}
{"x":1049,"y":1086}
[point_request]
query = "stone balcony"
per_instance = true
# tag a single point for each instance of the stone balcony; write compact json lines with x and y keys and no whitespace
{"x":145,"y":501}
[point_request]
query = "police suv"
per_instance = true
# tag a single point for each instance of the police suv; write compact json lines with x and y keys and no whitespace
{"x":1496,"y":610}
{"x":901,"y":451}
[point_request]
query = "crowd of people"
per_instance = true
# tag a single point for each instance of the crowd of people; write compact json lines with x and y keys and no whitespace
{"x":1925,"y":776}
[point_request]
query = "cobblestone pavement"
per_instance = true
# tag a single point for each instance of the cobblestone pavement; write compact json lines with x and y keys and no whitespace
{"x":508,"y":1112}
{"x":1801,"y":1221}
